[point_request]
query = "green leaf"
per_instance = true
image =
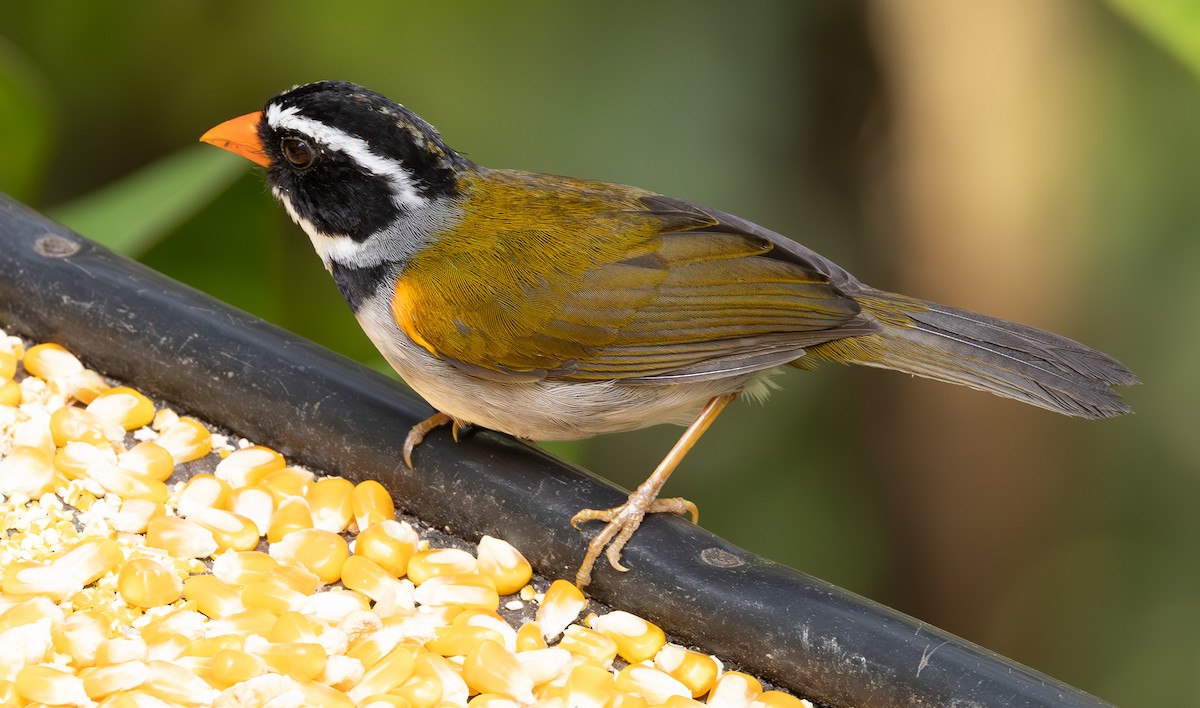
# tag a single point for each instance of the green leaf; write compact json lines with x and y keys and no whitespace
{"x":132,"y":215}
{"x":24,"y":125}
{"x":1174,"y":24}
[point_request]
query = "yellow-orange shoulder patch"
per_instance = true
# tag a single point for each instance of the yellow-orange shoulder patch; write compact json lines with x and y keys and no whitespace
{"x":404,"y":311}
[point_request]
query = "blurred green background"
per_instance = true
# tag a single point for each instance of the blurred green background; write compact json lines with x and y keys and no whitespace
{"x":1035,"y":159}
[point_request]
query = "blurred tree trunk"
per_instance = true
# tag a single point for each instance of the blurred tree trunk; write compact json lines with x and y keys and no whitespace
{"x":986,"y":206}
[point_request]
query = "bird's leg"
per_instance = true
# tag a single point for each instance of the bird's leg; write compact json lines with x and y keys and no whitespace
{"x":420,"y":430}
{"x":625,"y":519}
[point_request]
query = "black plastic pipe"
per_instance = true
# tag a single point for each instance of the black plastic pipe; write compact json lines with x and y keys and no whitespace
{"x":239,"y":372}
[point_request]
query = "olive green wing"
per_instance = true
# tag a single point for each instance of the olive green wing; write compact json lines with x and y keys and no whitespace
{"x":625,"y":289}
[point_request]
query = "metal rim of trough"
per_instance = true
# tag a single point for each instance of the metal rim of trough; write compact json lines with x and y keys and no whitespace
{"x":240,"y":372}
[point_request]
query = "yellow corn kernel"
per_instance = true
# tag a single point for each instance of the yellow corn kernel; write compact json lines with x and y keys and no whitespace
{"x":329,"y":501}
{"x":8,"y":360}
{"x":209,"y":647}
{"x":420,"y":691}
{"x":778,"y":699}
{"x":294,"y":627}
{"x":391,"y":544}
{"x":33,"y":578}
{"x":316,"y":693}
{"x":29,"y":611}
{"x":27,"y":471}
{"x":231,"y":666}
{"x":386,"y":674}
{"x":232,"y":532}
{"x":691,"y":668}
{"x":589,"y":686}
{"x":560,"y":607}
{"x":734,"y":689}
{"x":212,"y":596}
{"x":45,"y":684}
{"x":246,"y":466}
{"x":291,"y":515}
{"x":51,"y":361}
{"x":432,"y":562}
{"x":176,"y":684}
{"x":242,"y":567}
{"x":504,"y":564}
{"x":680,"y":702}
{"x":545,"y":665}
{"x":270,"y":593}
{"x":340,"y":672}
{"x":102,"y":681}
{"x":124,"y":406}
{"x":69,"y":424}
{"x":189,"y":624}
{"x":446,"y":674}
{"x":493,"y":700}
{"x":302,"y":661}
{"x":10,"y":392}
{"x":134,"y":516}
{"x":529,"y":637}
{"x":589,"y":644}
{"x":627,"y":700}
{"x":143,"y":582}
{"x":88,"y":560}
{"x":321,"y":552}
{"x":286,"y":482}
{"x":490,"y":668}
{"x":128,"y":484}
{"x":648,"y":681}
{"x":203,"y":491}
{"x":186,"y":440}
{"x":384,"y":700}
{"x":365,"y":575}
{"x":79,"y":636}
{"x":255,"y":504}
{"x":83,"y":387}
{"x":459,"y":640}
{"x":150,"y":459}
{"x":180,"y":538}
{"x":334,"y":606}
{"x":461,"y":591}
{"x":75,"y":459}
{"x":637,"y":640}
{"x":118,"y":650}
{"x":371,"y":503}
{"x":265,"y":690}
{"x":243,"y":624}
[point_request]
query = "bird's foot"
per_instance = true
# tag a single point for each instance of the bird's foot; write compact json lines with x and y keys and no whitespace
{"x":418,"y":432}
{"x":621,"y":522}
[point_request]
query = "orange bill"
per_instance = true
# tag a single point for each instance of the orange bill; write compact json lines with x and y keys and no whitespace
{"x":239,"y":136}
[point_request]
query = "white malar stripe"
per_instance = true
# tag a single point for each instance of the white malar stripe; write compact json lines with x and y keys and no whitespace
{"x":405,"y":193}
{"x":330,"y":247}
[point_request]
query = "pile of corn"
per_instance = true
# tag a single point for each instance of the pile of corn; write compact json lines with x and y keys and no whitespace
{"x":259,"y":583}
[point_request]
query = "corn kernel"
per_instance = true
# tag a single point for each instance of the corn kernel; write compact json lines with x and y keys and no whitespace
{"x":212,"y":596}
{"x":321,"y":552}
{"x":209,"y":647}
{"x":203,"y":491}
{"x":459,"y":640}
{"x":560,"y":607}
{"x":134,"y":516}
{"x":420,"y":691}
{"x":44,"y":684}
{"x":490,"y":668}
{"x":384,"y":700}
{"x":589,"y":644}
{"x":302,"y":661}
{"x":371,"y":503}
{"x":232,"y":532}
{"x":462,"y":591}
{"x":637,"y":640}
{"x":318,"y":694}
{"x":294,"y":627}
{"x":341,"y":672}
{"x":242,"y":567}
{"x":589,"y":686}
{"x":143,"y":582}
{"x":185,"y":440}
{"x":118,"y":650}
{"x":28,"y":471}
{"x":333,"y":606}
{"x":150,"y":459}
{"x":291,"y":515}
{"x":734,"y":689}
{"x":778,"y":699}
{"x":386,"y":674}
{"x":176,"y":684}
{"x":51,"y":361}
{"x":69,"y":424}
{"x":243,"y":624}
{"x":83,"y":387}
{"x":8,"y":361}
{"x":246,"y":466}
{"x":691,"y":668}
{"x":180,"y":538}
{"x":272,"y":595}
{"x":680,"y":702}
{"x":493,"y":700}
{"x":29,"y":611}
{"x":124,"y":406}
{"x":33,"y":578}
{"x":329,"y":501}
{"x":79,"y":636}
{"x":365,"y":575}
{"x":10,"y":392}
{"x":231,"y":666}
{"x":503,"y":564}
{"x":128,"y":484}
{"x":102,"y":681}
{"x":263,"y":690}
{"x":286,"y":482}
{"x":255,"y":504}
{"x":433,"y":562}
{"x":648,"y":681}
{"x":446,"y":674}
{"x":544,"y":665}
{"x":529,"y":637}
{"x":391,"y":544}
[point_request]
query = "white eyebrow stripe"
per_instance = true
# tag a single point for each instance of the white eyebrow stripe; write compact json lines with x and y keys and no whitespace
{"x":356,"y":149}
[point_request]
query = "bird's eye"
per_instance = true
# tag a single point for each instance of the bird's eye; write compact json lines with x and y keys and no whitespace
{"x":297,"y":152}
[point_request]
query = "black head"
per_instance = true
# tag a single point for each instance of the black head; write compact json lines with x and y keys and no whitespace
{"x":348,"y":161}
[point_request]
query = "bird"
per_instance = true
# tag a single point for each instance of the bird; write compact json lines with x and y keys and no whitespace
{"x":557,"y":308}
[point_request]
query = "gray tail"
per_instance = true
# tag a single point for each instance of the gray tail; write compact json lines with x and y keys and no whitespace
{"x":984,"y":353}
